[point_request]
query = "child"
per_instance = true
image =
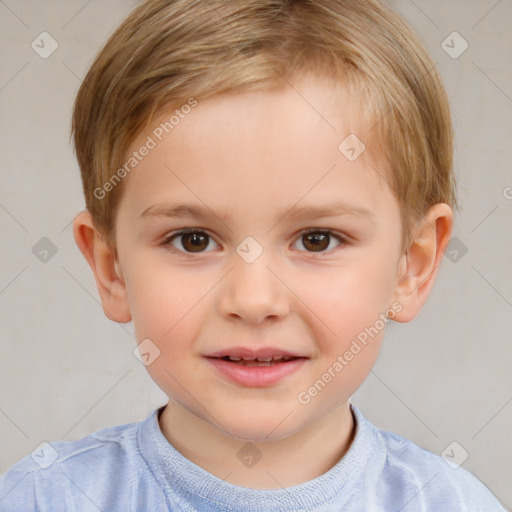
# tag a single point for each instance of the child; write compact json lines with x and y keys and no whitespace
{"x":267,"y":183}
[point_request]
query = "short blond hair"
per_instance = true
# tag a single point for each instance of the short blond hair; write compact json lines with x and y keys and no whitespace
{"x":169,"y":51}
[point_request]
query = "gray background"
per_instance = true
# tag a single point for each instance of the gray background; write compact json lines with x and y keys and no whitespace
{"x":66,"y":370}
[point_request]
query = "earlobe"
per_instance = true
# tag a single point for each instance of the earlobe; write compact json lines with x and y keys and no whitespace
{"x":106,"y":269}
{"x":418,"y":266}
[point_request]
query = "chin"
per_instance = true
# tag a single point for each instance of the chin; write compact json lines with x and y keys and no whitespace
{"x":259,"y":428}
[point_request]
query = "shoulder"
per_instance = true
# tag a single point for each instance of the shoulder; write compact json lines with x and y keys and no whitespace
{"x":417,"y":479}
{"x":62,"y":469}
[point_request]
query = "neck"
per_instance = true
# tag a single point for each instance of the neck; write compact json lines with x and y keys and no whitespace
{"x":296,"y":459}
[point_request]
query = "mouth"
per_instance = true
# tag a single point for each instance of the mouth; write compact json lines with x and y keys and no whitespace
{"x":267,"y":361}
{"x":256,"y":369}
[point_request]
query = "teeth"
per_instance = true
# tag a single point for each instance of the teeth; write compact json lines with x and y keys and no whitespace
{"x":261,"y":359}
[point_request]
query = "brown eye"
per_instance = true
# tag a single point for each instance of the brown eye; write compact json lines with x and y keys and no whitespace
{"x":191,"y":241}
{"x":318,"y":240}
{"x":194,"y":242}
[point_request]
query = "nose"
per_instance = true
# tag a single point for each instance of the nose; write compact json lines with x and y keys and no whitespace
{"x":253,"y":292}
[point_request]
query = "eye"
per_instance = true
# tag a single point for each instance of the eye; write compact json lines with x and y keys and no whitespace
{"x":192,"y":240}
{"x":197,"y":241}
{"x":318,"y":240}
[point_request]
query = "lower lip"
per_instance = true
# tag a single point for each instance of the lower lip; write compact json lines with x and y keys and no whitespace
{"x":256,"y":376}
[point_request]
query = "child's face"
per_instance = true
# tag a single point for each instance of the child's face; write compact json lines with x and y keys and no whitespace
{"x":245,"y":160}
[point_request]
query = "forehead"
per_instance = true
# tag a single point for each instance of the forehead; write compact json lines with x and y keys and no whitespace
{"x":293,"y":109}
{"x":256,"y":149}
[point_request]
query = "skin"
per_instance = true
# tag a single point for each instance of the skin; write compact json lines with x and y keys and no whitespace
{"x":248,"y":157}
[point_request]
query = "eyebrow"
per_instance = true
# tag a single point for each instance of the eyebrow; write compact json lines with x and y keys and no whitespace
{"x":336,"y":209}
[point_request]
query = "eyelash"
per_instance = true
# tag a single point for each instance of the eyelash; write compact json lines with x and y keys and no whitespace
{"x":167,"y":241}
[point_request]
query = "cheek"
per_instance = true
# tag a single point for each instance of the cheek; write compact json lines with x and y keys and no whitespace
{"x":167,"y":309}
{"x":346,"y":301}
{"x":347,"y":317}
{"x":163,"y":301}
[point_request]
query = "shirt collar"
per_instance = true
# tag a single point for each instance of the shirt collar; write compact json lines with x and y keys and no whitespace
{"x":178,"y":476}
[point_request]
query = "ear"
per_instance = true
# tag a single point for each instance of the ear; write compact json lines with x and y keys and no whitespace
{"x":105,"y":267}
{"x":418,"y":266}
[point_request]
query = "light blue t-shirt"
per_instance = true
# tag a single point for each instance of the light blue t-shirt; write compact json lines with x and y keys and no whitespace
{"x":134,"y":468}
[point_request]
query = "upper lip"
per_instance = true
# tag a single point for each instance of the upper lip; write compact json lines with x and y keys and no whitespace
{"x":248,"y":353}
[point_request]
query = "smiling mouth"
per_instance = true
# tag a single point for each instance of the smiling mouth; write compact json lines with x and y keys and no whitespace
{"x":256,"y":372}
{"x":268,"y":361}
